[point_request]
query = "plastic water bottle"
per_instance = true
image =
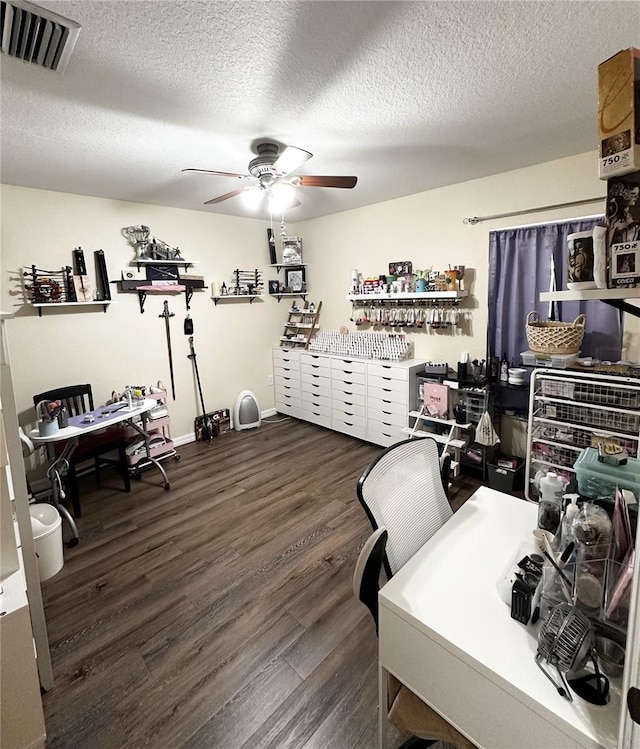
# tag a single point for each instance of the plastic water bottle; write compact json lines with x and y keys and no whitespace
{"x":550,"y":505}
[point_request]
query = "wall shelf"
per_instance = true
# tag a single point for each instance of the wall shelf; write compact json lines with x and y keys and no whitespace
{"x":613,"y":297}
{"x":224,"y":297}
{"x":146,"y":261}
{"x":404,"y":296}
{"x":104,"y":303}
{"x":185,"y":285}
{"x":279,"y":296}
{"x":279,"y":266}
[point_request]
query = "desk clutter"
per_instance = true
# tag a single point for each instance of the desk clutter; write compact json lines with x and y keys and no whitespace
{"x":575,"y":576}
{"x":157,"y":425}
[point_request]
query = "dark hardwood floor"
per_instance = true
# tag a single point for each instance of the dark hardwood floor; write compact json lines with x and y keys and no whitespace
{"x":220,"y":613}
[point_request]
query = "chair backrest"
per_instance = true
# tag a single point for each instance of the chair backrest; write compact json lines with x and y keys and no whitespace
{"x":77,"y":399}
{"x":401,"y":489}
{"x":366,"y":577}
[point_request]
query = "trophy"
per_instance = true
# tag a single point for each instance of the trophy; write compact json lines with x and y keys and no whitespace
{"x":139,"y":238}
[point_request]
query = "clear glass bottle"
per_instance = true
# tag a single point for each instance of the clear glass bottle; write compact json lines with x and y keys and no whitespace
{"x":550,"y":503}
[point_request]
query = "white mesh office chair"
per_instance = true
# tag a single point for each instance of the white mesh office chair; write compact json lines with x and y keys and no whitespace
{"x":406,"y":711}
{"x":402,"y":490}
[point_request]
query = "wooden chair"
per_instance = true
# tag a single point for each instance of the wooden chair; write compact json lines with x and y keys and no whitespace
{"x":78,"y":399}
{"x":406,"y":711}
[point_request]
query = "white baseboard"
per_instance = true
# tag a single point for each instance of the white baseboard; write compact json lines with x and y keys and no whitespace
{"x":185,"y":439}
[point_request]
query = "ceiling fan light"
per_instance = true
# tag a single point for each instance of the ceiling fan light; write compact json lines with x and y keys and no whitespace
{"x":280,"y":197}
{"x":252,"y":198}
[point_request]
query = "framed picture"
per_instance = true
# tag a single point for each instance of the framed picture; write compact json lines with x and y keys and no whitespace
{"x":274,"y":287}
{"x":295,"y":280}
{"x":292,"y":250}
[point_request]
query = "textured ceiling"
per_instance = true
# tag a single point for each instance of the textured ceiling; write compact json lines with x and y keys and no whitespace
{"x":408,"y":96}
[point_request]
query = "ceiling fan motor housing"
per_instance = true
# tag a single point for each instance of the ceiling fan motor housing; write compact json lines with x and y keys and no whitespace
{"x":264,"y":161}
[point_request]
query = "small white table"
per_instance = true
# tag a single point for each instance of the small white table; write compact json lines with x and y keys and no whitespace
{"x":447,"y":635}
{"x":71,"y":436}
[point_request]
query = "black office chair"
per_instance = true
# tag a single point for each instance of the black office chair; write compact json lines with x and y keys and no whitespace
{"x":402,"y":489}
{"x":406,"y":711}
{"x":78,"y":399}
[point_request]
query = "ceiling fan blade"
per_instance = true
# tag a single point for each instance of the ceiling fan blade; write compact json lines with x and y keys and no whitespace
{"x":311,"y":181}
{"x":219,"y":174}
{"x":228,"y":195}
{"x":290,"y":159}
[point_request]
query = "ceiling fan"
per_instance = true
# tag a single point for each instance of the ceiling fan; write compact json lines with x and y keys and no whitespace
{"x":270,"y":175}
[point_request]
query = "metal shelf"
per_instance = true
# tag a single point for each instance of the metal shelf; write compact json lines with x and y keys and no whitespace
{"x":613,"y":297}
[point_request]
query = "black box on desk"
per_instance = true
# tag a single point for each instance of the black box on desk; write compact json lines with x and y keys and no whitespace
{"x":505,"y":479}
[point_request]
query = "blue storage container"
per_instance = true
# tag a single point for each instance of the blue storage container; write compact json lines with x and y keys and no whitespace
{"x":598,"y":480}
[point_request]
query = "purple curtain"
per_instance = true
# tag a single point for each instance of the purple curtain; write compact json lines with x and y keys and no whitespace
{"x":521,"y":262}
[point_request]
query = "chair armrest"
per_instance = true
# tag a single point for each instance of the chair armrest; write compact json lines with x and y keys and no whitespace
{"x":445,"y":471}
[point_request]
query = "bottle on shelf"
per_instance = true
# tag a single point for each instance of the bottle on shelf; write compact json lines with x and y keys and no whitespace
{"x":504,"y":369}
{"x":550,"y":506}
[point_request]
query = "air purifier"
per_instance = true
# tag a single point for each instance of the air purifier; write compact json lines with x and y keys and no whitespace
{"x":246,"y":412}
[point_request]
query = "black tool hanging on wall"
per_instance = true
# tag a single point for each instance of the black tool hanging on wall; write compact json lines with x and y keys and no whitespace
{"x":167,"y":315}
{"x":101,"y":276}
{"x":80,"y":277}
{"x":188,"y":325}
{"x":203,"y":426}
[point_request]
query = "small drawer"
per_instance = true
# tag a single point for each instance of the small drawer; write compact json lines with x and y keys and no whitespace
{"x":350,"y":366}
{"x":354,"y":418}
{"x":316,"y":417}
{"x":348,"y":378}
{"x":383,"y":435}
{"x":348,"y":427}
{"x":386,"y":384}
{"x":388,"y":372}
{"x":346,"y":400}
{"x":286,"y":357}
{"x":388,"y":418}
{"x":382,"y":397}
{"x":317,"y":407}
{"x":315,"y":400}
{"x":348,"y":390}
{"x":289,"y":372}
{"x":286,"y":407}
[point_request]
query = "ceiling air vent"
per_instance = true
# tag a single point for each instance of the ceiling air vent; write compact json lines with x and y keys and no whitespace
{"x":36,"y":35}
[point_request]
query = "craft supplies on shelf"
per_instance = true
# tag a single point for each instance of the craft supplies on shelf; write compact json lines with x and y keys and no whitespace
{"x":386,"y":346}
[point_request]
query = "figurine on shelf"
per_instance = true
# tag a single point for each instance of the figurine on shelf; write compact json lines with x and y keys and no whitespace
{"x":223,"y":289}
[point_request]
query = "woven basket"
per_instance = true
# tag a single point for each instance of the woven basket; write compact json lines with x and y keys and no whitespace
{"x":554,"y":337}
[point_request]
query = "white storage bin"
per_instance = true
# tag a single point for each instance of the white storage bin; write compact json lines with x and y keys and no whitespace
{"x":46,"y":526}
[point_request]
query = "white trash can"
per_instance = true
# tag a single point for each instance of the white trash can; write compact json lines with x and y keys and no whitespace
{"x":46,"y":525}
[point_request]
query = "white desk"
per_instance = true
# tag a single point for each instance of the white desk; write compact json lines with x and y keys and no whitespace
{"x":71,"y":436}
{"x":447,"y":635}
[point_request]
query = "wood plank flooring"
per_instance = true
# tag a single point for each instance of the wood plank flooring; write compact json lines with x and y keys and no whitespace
{"x":220,"y":614}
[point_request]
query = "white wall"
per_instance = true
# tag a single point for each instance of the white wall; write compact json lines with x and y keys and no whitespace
{"x":428,"y":229}
{"x":71,"y":345}
{"x":234,"y":341}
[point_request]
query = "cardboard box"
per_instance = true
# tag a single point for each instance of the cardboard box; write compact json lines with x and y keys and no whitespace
{"x":623,"y":230}
{"x":619,"y":113}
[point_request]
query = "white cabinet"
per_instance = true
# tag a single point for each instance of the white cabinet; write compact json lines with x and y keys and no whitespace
{"x":348,"y":396}
{"x":568,"y":409}
{"x":315,"y":387}
{"x":286,"y":380}
{"x":24,"y":646}
{"x":367,"y":399}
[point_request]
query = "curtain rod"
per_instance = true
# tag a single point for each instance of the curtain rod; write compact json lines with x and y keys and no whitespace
{"x":477,"y":219}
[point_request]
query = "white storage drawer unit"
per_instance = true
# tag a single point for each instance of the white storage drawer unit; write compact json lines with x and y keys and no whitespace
{"x":367,"y":399}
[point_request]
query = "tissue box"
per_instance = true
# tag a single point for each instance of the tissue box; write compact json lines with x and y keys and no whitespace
{"x":598,"y":480}
{"x":619,"y":113}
